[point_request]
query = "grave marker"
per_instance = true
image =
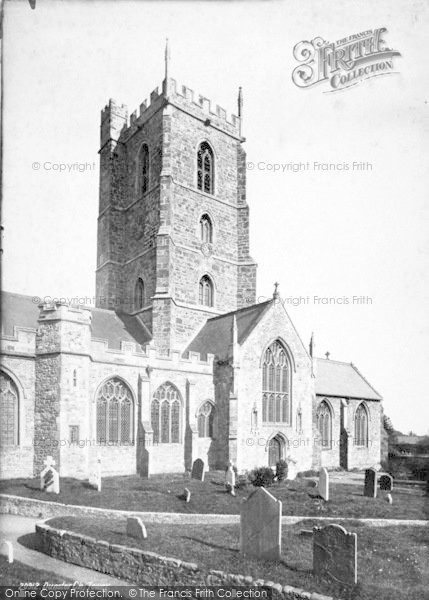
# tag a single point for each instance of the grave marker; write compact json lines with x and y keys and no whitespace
{"x":198,"y":469}
{"x":94,"y":478}
{"x":370,"y":486}
{"x":6,"y":549}
{"x":386,"y":482}
{"x":323,"y":485}
{"x":49,"y":477}
{"x":335,"y":554}
{"x":187,"y":495}
{"x":136,"y":528}
{"x":260,"y":525}
{"x":230,"y":479}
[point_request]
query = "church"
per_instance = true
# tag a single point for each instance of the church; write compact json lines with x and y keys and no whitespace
{"x":177,"y":360}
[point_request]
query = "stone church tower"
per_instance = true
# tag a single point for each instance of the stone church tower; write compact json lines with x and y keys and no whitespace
{"x":173,"y":225}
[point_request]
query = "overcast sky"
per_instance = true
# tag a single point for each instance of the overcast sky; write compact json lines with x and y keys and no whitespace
{"x":319,"y":233}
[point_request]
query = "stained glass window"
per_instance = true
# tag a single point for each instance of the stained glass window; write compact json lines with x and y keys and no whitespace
{"x":9,"y":411}
{"x":361,"y":426}
{"x":205,"y":420}
{"x":115,"y":413}
{"x":276,"y":385}
{"x":324,"y":424}
{"x":166,"y":415}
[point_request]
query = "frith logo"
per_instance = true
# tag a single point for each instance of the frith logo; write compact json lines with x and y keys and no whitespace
{"x":343,"y":63}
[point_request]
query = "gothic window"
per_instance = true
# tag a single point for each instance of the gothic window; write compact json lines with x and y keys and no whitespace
{"x":139,"y":294}
{"x":324,"y":424}
{"x":9,"y":400}
{"x":205,"y":420}
{"x":115,"y":413}
{"x":361,"y":426}
{"x":276,"y":385}
{"x":166,"y":415}
{"x":274,"y":451}
{"x":206,"y":229}
{"x":144,"y":169}
{"x":205,"y":168}
{"x":206,"y":291}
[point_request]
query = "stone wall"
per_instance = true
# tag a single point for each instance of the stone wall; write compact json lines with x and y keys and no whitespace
{"x":143,"y":567}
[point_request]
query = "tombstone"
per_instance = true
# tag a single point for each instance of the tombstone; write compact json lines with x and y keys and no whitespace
{"x":386,"y":482}
{"x":136,"y":528}
{"x":389,"y":498}
{"x":260,"y":525}
{"x":94,"y":478}
{"x":335,"y":554}
{"x":198,"y":469}
{"x":323,"y":485}
{"x":230,"y":479}
{"x":187,"y":495}
{"x":370,"y":486}
{"x":49,"y":477}
{"x":6,"y":549}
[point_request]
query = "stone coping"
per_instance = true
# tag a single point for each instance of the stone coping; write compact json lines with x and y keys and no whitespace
{"x":131,"y":563}
{"x":45,"y":509}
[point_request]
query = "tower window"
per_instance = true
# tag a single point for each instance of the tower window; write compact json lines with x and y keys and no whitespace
{"x":205,"y":168}
{"x":139,"y":294}
{"x":9,"y":410}
{"x":324,"y":424}
{"x":144,"y":169}
{"x":166,"y":410}
{"x":276,"y":385}
{"x":206,"y":291}
{"x":205,"y":420}
{"x":206,"y":229}
{"x":361,"y":426}
{"x":115,"y":413}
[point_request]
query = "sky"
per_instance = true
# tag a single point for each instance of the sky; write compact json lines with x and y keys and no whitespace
{"x":320,"y":234}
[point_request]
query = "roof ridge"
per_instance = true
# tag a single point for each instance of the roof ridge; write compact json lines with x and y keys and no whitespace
{"x":18,"y":294}
{"x":329,"y":360}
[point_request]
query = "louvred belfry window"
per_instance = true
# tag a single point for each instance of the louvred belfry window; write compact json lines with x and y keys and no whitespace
{"x":205,"y":168}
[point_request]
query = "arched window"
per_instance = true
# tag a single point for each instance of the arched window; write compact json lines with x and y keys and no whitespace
{"x":144,"y":169}
{"x":205,"y":420}
{"x":275,"y":446}
{"x":9,"y":400}
{"x":276,"y":385}
{"x":206,"y":229}
{"x":166,"y":415}
{"x":139,"y":294}
{"x":361,"y":426}
{"x":324,"y":424}
{"x":205,"y":168}
{"x":115,"y":413}
{"x":206,"y":291}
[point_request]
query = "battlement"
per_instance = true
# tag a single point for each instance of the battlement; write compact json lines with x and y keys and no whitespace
{"x":185,"y":99}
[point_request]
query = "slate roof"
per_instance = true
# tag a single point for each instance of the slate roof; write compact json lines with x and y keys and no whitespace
{"x":216,"y":335}
{"x":334,"y":378}
{"x":20,"y":310}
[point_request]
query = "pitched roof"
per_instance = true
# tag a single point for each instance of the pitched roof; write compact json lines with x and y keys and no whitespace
{"x":21,"y":311}
{"x":216,"y":335}
{"x":334,"y":378}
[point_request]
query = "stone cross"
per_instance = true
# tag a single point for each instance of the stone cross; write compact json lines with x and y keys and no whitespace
{"x":260,"y":525}
{"x":335,"y":554}
{"x":230,"y":479}
{"x":370,"y":485}
{"x":6,"y":549}
{"x":198,"y":469}
{"x":136,"y":528}
{"x":49,"y":477}
{"x":323,"y":486}
{"x":386,"y":482}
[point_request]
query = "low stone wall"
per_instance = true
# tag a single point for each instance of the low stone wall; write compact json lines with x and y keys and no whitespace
{"x":148,"y":568}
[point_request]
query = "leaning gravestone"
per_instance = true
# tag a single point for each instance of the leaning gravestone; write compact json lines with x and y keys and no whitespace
{"x":198,"y":469}
{"x":260,"y":525}
{"x":6,"y":549}
{"x":187,"y":495}
{"x":386,"y":483}
{"x":230,"y":479}
{"x":94,"y":478}
{"x":49,"y":477}
{"x":370,"y":486}
{"x":136,"y":528}
{"x":323,"y":486}
{"x":335,"y":554}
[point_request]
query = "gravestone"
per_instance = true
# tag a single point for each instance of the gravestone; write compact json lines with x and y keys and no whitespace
{"x":389,"y":499}
{"x":323,"y":485}
{"x":335,"y":554}
{"x":198,"y":469}
{"x":49,"y":477}
{"x":386,"y":482}
{"x":187,"y":494}
{"x":260,"y":525}
{"x":370,"y":486}
{"x":136,"y":528}
{"x":6,"y":549}
{"x":230,"y":479}
{"x":94,"y":478}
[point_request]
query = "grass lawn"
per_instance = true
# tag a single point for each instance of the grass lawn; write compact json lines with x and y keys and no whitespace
{"x":163,"y":494}
{"x":18,"y":573}
{"x":392,"y":561}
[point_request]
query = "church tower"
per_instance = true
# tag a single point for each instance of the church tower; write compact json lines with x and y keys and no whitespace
{"x":173,"y":225}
